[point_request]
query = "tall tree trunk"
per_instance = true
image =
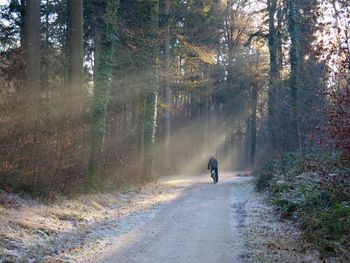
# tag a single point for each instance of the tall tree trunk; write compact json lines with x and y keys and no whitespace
{"x":167,"y":86}
{"x":32,"y":57}
{"x":102,"y":86}
{"x":20,"y":85}
{"x":46,"y":49}
{"x":75,"y":51}
{"x":151,"y":94}
{"x":248,"y":139}
{"x":97,"y":52}
{"x":22,"y":23}
{"x":253,"y":105}
{"x":206,"y":117}
{"x":279,"y":35}
{"x":294,"y":60}
{"x":274,"y":74}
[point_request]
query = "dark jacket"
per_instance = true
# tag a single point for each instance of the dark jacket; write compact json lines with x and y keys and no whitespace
{"x":213,"y":163}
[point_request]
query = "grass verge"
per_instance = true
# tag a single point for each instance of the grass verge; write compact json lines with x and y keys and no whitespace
{"x":313,"y":191}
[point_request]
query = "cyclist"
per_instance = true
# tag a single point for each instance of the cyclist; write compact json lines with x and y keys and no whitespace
{"x":213,"y":166}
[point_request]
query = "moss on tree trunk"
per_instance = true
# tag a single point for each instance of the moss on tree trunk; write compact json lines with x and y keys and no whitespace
{"x":102,"y":89}
{"x":151,"y":94}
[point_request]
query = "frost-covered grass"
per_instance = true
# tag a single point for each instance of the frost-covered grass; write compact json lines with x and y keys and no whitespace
{"x":37,"y":231}
{"x":265,"y":238}
{"x":314,"y":192}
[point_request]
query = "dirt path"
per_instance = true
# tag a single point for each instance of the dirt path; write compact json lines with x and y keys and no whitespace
{"x":180,"y":219}
{"x":227,"y":222}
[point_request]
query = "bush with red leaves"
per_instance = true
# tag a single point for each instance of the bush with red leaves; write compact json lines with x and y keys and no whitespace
{"x":337,"y":53}
{"x":338,"y":126}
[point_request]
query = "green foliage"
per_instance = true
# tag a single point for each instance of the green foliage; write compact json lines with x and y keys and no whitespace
{"x":287,"y":166}
{"x":294,"y":164}
{"x":151,"y":94}
{"x":302,"y":195}
{"x":102,"y":88}
{"x":327,"y":225}
{"x":265,"y":175}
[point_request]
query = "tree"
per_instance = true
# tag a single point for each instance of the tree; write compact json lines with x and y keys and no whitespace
{"x":274,"y":73}
{"x":151,"y":91}
{"x":32,"y":56}
{"x":253,"y":108}
{"x":294,"y":74}
{"x":311,"y":73}
{"x":75,"y":50}
{"x":102,"y":84}
{"x":167,"y":91}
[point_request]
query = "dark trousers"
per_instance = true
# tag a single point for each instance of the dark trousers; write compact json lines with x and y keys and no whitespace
{"x":216,"y":173}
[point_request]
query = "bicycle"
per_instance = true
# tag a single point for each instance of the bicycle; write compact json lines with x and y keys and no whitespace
{"x":213,"y":175}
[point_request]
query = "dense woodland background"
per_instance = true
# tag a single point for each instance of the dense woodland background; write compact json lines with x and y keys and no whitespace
{"x":102,"y":94}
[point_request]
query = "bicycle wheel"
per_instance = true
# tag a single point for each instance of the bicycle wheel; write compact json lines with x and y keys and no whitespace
{"x":213,"y":175}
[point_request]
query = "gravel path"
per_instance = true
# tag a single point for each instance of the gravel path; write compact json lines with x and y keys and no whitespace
{"x":226,"y":222}
{"x":180,"y":219}
{"x":194,"y":228}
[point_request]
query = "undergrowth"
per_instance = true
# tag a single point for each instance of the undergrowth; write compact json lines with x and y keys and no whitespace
{"x":314,"y":191}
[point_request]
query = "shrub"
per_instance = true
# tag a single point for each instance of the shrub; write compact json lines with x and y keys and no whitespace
{"x":328,"y":227}
{"x":304,"y":188}
{"x":265,"y":175}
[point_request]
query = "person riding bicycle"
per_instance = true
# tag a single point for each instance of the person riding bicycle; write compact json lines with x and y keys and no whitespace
{"x":213,"y":166}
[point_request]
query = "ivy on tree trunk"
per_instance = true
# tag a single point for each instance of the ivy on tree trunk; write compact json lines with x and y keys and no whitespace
{"x":167,"y":92}
{"x":294,"y":61}
{"x":102,"y":88}
{"x":274,"y":74}
{"x":151,"y":93}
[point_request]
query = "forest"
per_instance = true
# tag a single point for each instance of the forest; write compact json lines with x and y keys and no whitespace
{"x":99,"y":94}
